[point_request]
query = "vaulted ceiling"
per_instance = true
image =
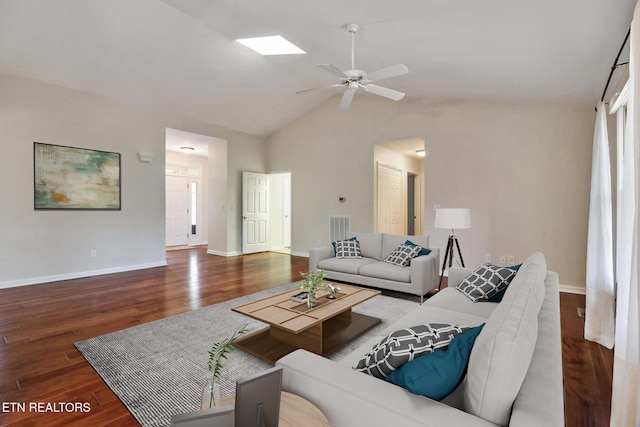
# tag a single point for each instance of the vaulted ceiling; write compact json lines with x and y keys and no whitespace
{"x":180,"y":56}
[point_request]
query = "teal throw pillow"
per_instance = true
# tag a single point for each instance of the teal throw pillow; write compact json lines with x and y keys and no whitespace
{"x":423,"y":251}
{"x":435,"y":375}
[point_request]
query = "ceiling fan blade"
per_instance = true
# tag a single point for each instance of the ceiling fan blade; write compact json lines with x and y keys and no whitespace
{"x":347,"y":98}
{"x":332,"y":69}
{"x":383,"y":91}
{"x":299,"y":92}
{"x":385,"y":73}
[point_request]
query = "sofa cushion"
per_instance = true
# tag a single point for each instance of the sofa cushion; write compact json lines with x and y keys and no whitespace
{"x":403,"y":255}
{"x":383,"y":270}
{"x":485,"y":282}
{"x":404,"y":345}
{"x":435,"y":375}
{"x":370,"y":244}
{"x":348,"y":249}
{"x":454,"y":300}
{"x":506,"y":344}
{"x":344,"y":265}
{"x":391,"y":241}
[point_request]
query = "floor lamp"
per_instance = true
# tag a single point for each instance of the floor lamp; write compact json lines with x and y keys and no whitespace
{"x":452,"y":218}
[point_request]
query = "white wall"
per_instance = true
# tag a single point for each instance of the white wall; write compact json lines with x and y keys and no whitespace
{"x":523,"y":169}
{"x":218,"y":183}
{"x":40,"y":246}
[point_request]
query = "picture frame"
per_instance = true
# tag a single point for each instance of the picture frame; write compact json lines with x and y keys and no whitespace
{"x":70,"y":178}
{"x":258,"y":399}
{"x":221,"y":416}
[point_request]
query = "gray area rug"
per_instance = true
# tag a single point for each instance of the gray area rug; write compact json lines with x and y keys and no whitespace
{"x":157,"y":369}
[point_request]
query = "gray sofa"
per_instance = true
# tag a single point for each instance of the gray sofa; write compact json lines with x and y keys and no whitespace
{"x":370,"y":270}
{"x":514,"y":373}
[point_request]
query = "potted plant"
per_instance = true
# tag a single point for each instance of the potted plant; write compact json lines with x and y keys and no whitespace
{"x":311,"y":283}
{"x":219,"y":352}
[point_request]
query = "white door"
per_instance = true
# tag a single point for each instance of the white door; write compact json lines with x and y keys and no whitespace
{"x":255,"y":212}
{"x":286,"y":205}
{"x":177,"y":211}
{"x":390,"y":219}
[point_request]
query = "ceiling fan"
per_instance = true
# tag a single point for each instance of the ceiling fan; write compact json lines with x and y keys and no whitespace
{"x":353,"y":79}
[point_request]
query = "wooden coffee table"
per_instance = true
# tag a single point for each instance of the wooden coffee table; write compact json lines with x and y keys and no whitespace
{"x":292,"y":325}
{"x":295,"y":411}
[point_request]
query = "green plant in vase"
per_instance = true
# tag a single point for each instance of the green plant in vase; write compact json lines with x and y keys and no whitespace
{"x":217,"y":355}
{"x":311,"y":283}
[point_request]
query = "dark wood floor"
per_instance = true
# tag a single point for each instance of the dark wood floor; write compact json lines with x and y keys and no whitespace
{"x":40,"y":323}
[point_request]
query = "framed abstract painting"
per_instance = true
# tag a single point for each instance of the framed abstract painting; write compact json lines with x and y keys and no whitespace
{"x":75,"y":178}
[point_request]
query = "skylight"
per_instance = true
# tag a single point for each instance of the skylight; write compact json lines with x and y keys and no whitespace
{"x":271,"y":45}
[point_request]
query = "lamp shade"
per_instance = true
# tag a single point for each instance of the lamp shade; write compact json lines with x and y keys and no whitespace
{"x":453,"y":218}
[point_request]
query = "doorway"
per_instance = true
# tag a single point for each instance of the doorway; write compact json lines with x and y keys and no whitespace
{"x":411,"y":204}
{"x":280,"y":212}
{"x":186,"y":188}
{"x":184,"y":206}
{"x":266,"y":212}
{"x":398,"y":187}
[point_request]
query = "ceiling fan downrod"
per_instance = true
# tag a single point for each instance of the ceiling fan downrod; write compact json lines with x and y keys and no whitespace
{"x":353,"y":29}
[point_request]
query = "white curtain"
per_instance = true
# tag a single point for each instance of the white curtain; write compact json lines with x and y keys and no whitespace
{"x":625,"y":405}
{"x":599,"y":314}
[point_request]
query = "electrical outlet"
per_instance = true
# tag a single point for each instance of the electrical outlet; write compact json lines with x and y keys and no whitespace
{"x":511,"y":260}
{"x":487,"y":258}
{"x":93,"y":253}
{"x":503,"y":259}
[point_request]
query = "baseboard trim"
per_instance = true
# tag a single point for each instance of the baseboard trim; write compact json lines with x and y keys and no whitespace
{"x":573,"y":289}
{"x":78,"y":275}
{"x":301,"y":254}
{"x":224,"y":254}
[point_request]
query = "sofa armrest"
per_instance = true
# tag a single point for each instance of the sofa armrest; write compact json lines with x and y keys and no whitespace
{"x":424,"y":271}
{"x":457,"y":275}
{"x":318,"y":254}
{"x":352,"y":399}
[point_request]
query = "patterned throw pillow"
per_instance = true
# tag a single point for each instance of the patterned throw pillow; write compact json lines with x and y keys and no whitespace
{"x":423,"y":251}
{"x":485,"y":282}
{"x":348,"y":249}
{"x":334,"y":243}
{"x":404,"y":345}
{"x":403,"y":255}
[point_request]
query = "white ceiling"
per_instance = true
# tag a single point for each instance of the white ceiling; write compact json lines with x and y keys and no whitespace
{"x":175,"y":139}
{"x":180,"y":55}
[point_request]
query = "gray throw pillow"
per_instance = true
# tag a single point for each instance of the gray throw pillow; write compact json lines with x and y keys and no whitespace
{"x":403,"y":255}
{"x":348,"y":249}
{"x":405,"y":345}
{"x":487,"y":281}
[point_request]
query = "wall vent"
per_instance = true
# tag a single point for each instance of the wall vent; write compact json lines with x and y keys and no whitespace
{"x":339,"y":226}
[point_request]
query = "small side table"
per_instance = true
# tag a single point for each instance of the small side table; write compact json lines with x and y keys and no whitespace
{"x":295,"y":411}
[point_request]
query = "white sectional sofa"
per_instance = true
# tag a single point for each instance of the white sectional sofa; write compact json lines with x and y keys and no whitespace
{"x":370,"y":270}
{"x":513,"y":377}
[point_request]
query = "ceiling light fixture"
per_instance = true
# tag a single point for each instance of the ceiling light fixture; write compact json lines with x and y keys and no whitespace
{"x":271,"y":45}
{"x":187,"y":149}
{"x":420,"y":153}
